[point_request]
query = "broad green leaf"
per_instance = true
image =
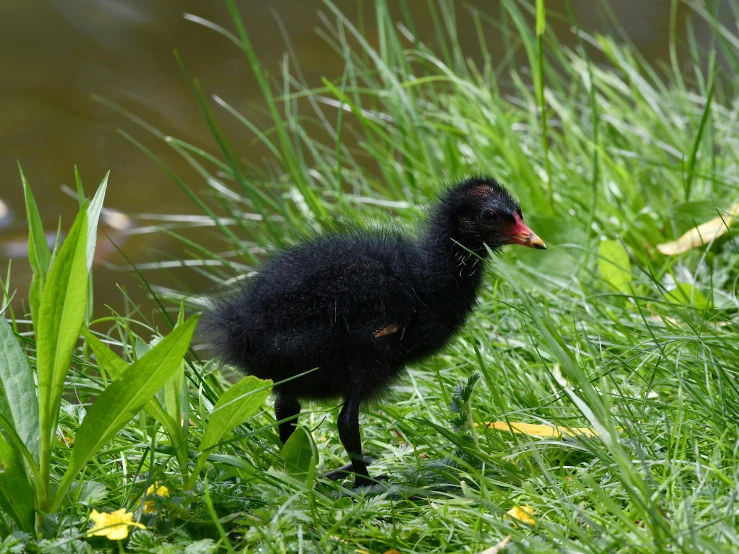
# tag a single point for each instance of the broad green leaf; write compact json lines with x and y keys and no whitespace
{"x":235,"y":405}
{"x":18,"y":401}
{"x":614,"y":265}
{"x":16,"y":493}
{"x":62,"y":309}
{"x":93,"y":215}
{"x":299,"y":453}
{"x":688,"y":295}
{"x":118,"y":404}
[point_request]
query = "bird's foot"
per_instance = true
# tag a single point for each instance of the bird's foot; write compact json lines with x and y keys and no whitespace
{"x":362,"y":481}
{"x":346,"y":471}
{"x":342,"y":473}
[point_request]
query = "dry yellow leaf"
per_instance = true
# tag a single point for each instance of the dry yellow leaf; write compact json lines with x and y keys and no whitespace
{"x":700,"y":235}
{"x":524,"y":514}
{"x":393,"y":551}
{"x":546,"y":431}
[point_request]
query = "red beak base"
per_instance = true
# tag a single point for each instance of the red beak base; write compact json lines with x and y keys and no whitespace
{"x":521,"y":234}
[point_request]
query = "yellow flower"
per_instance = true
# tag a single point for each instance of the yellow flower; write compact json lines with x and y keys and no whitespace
{"x":114,"y":525}
{"x":155,"y":489}
{"x":523,"y":513}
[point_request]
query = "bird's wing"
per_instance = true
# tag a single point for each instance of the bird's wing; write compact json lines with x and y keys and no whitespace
{"x":361,"y":295}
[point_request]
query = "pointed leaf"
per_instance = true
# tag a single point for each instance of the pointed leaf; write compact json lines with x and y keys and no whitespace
{"x":120,"y":402}
{"x":614,"y":265}
{"x":18,"y":401}
{"x":39,"y":255}
{"x":93,"y":215}
{"x":238,"y":403}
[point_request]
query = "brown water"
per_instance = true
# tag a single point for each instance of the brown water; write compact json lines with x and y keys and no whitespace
{"x":55,"y":53}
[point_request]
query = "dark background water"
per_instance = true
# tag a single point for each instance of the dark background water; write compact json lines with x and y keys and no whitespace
{"x":55,"y":53}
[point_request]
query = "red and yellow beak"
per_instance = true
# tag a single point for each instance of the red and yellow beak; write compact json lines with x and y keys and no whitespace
{"x":521,"y":234}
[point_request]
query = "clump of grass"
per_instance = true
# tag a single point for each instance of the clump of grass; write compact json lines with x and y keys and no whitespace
{"x":591,"y":335}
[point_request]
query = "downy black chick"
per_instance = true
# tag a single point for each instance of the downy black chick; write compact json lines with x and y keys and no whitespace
{"x":361,"y":306}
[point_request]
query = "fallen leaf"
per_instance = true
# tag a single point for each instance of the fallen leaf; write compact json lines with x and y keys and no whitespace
{"x":702,"y":234}
{"x":546,"y":431}
{"x":524,"y":514}
{"x":393,"y":551}
{"x":502,"y":545}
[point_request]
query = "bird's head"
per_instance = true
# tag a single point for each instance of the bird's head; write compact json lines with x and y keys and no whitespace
{"x":484,"y":212}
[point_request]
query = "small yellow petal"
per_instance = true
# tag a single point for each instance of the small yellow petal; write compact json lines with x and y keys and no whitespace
{"x":117,"y":532}
{"x":156,"y":488}
{"x":523,"y":513}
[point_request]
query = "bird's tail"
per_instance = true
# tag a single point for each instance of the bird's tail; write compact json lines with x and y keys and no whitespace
{"x":224,"y":329}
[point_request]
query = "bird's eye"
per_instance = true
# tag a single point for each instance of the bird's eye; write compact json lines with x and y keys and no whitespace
{"x":489,"y":215}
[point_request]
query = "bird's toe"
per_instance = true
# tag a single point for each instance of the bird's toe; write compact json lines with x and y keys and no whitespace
{"x":341,"y":473}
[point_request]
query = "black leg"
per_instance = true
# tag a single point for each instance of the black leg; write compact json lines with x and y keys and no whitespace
{"x":286,"y":407}
{"x":349,"y":434}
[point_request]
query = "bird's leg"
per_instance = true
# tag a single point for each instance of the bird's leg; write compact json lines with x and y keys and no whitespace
{"x":349,"y":434}
{"x":286,"y":407}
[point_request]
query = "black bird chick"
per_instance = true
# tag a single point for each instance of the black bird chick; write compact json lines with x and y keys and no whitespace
{"x":361,"y":306}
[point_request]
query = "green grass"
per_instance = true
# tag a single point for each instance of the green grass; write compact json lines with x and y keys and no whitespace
{"x":616,"y":150}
